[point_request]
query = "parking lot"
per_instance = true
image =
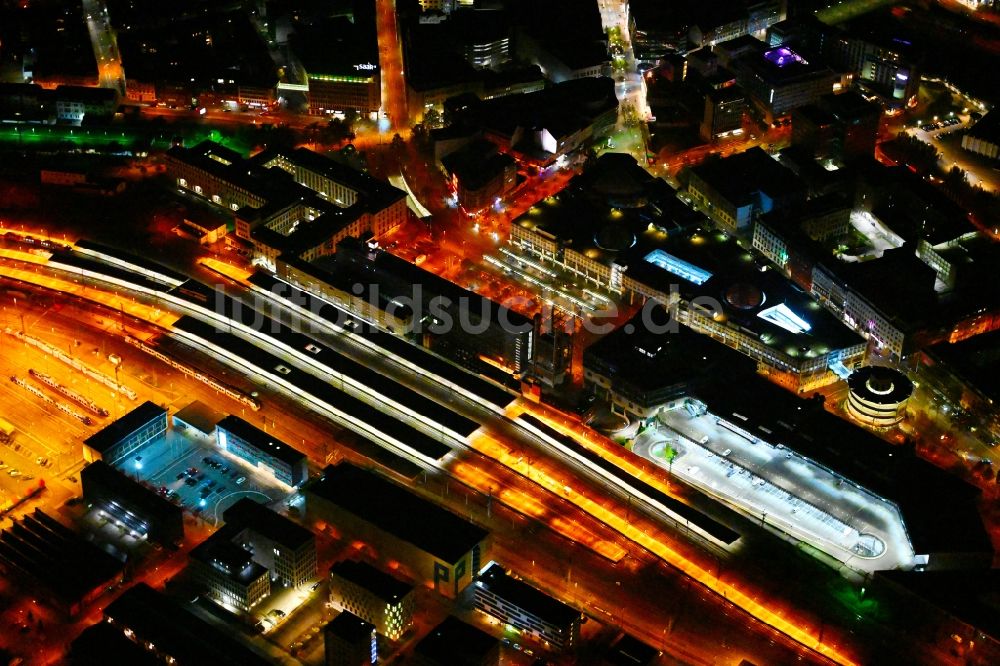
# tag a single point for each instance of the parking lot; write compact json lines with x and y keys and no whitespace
{"x":786,"y":491}
{"x":191,"y":472}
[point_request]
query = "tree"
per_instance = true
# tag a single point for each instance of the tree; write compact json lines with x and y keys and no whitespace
{"x":432,"y":119}
{"x":669,"y":455}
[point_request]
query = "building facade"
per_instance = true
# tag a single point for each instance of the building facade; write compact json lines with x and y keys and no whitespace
{"x":128,"y":435}
{"x":373,"y":596}
{"x":243,"y":440}
{"x":531,"y":612}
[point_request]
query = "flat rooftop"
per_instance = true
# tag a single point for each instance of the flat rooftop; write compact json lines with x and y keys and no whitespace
{"x":630,"y":651}
{"x":200,"y":416}
{"x":970,"y":596}
{"x":940,"y":510}
{"x":377,"y":582}
{"x":526,"y":597}
{"x":349,"y":627}
{"x":158,"y":619}
{"x":398,"y":511}
{"x":54,"y":557}
{"x":262,"y":440}
{"x":249,"y":514}
{"x":639,"y":360}
{"x":113,"y":433}
{"x":739,"y":177}
{"x":456,"y":643}
{"x":133,"y":496}
{"x":228,"y":558}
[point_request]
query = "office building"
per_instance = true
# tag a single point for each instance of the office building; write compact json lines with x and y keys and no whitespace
{"x":432,"y":545}
{"x":838,"y":127}
{"x":877,"y":396}
{"x":737,"y":189}
{"x":539,"y":128}
{"x":627,"y":650}
{"x":227,"y":574}
{"x":530,"y":611}
{"x":164,"y":629}
{"x":778,"y":80}
{"x":349,"y":641}
{"x":76,"y":103}
{"x":119,"y":442}
{"x":983,"y":138}
{"x":480,"y":176}
{"x":723,"y":116}
{"x":266,"y":453}
{"x":283,"y":547}
{"x":455,"y":643}
{"x":954,"y":607}
{"x":338,"y":56}
{"x":966,"y":372}
{"x":140,"y":509}
{"x":373,"y":596}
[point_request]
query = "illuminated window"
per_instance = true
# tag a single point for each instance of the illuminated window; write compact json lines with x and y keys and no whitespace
{"x":678,"y":267}
{"x":781,"y":315}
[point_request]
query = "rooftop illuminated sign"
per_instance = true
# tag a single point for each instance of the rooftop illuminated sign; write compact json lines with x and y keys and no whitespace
{"x":781,"y":315}
{"x":678,"y":267}
{"x":783,"y":56}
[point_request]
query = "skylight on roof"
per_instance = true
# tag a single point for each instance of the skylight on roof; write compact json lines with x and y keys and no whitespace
{"x":781,"y":315}
{"x":678,"y":267}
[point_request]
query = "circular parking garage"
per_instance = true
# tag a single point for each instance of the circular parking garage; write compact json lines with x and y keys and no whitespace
{"x":878,"y":396}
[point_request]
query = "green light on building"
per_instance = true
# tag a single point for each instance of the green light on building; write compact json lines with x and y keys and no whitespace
{"x":340,"y":79}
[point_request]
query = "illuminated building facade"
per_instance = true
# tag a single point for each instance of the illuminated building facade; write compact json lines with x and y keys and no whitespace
{"x":734,"y":191}
{"x":528,"y":610}
{"x":645,"y":244}
{"x":138,"y":508}
{"x":304,"y":217}
{"x":227,"y":574}
{"x":338,"y":93}
{"x":283,"y":547}
{"x":241,"y":439}
{"x":127,"y":436}
{"x":373,"y":596}
{"x":877,"y":396}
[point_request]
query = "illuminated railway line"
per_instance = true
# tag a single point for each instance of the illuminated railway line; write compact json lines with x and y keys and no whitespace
{"x":227,"y":313}
{"x":242,"y":398}
{"x":60,"y":355}
{"x":63,"y":407}
{"x":331,"y":364}
{"x":421,"y":361}
{"x":344,"y":409}
{"x":69,"y":393}
{"x":673,"y":508}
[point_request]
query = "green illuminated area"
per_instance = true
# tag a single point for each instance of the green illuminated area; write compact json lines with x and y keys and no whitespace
{"x":97,"y":138}
{"x":848,"y":9}
{"x":340,"y":79}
